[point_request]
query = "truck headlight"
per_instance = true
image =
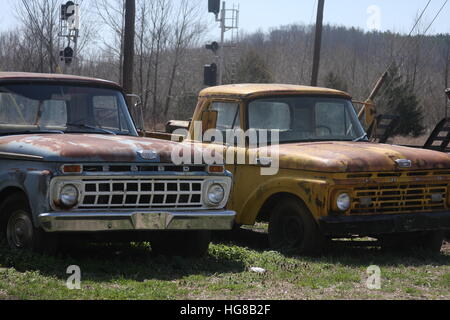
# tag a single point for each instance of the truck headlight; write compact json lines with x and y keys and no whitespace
{"x":69,"y":195}
{"x":216,"y":194}
{"x":343,"y":202}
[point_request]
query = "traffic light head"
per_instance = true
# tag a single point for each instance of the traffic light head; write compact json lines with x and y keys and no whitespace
{"x":214,"y":6}
{"x":67,"y":10}
{"x":67,"y":55}
{"x":447,"y":92}
{"x":214,"y":47}
{"x":210,"y":75}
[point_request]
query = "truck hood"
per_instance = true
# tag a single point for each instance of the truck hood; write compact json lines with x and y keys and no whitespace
{"x":357,"y":157}
{"x":88,"y":148}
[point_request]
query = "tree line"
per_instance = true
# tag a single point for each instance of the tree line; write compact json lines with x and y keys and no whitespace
{"x":170,"y":55}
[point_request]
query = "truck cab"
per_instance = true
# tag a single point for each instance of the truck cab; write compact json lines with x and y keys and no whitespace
{"x":329,"y":181}
{"x":72,"y":163}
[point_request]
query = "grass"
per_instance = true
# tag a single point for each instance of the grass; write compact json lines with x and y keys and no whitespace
{"x":132,"y":272}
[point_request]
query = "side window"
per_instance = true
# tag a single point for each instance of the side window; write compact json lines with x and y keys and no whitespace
{"x":228,"y":115}
{"x":106,"y":112}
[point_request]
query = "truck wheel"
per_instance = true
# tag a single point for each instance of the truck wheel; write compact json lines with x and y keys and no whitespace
{"x":293,"y":229}
{"x":18,"y":228}
{"x":428,"y":241}
{"x":188,"y":244}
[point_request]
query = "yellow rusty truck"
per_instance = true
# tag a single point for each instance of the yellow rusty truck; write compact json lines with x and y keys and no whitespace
{"x":330,"y":181}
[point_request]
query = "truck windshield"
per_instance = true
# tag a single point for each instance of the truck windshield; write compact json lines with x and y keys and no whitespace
{"x":47,"y":108}
{"x":300,"y":119}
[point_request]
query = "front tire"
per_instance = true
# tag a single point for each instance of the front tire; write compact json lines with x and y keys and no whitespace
{"x":293,"y":229}
{"x":19,"y":230}
{"x":188,"y":244}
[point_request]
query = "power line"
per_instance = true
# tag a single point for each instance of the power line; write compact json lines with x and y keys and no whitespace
{"x":430,"y":25}
{"x":437,"y":15}
{"x":412,"y":30}
{"x":419,"y":18}
{"x":418,"y":39}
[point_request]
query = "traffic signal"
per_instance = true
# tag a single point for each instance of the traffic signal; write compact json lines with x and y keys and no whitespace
{"x":67,"y":10}
{"x":214,"y":6}
{"x":66,"y":55}
{"x":447,"y":92}
{"x":210,"y":75}
{"x":214,"y":47}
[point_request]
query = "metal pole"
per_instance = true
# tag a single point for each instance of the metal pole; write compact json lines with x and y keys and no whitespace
{"x":128,"y":61}
{"x":318,"y":43}
{"x":222,"y":43}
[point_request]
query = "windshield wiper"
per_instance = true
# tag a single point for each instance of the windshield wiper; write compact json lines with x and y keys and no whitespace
{"x":16,"y":133}
{"x":85,"y":126}
{"x":364,"y":137}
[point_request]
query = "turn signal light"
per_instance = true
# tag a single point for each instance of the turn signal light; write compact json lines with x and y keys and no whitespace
{"x":76,"y":168}
{"x":216,"y":169}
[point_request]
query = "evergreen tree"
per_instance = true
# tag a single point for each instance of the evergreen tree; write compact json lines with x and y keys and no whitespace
{"x":252,"y":68}
{"x":398,"y":98}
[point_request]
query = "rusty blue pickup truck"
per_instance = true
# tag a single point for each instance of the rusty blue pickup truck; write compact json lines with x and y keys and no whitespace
{"x":71,"y":162}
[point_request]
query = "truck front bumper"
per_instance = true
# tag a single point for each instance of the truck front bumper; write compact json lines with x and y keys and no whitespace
{"x":139,"y":220}
{"x":385,"y":224}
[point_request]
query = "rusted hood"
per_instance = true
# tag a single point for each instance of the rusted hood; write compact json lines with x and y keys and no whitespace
{"x":88,"y":147}
{"x":357,"y":157}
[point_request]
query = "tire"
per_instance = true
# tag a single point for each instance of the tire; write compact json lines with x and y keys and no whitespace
{"x":18,"y":229}
{"x":430,"y":242}
{"x":188,"y":244}
{"x":292,"y":229}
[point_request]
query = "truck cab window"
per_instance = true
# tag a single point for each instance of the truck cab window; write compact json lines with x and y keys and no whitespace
{"x":228,"y":115}
{"x":306,"y":118}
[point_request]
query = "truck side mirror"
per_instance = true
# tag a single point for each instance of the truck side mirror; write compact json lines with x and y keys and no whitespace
{"x":137,"y":113}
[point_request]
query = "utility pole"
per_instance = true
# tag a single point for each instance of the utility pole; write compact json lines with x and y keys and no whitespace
{"x":317,"y":43}
{"x":223,"y":29}
{"x":128,"y":54}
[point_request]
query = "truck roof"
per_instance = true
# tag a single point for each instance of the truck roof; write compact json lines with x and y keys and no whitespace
{"x":248,"y":90}
{"x":46,"y":77}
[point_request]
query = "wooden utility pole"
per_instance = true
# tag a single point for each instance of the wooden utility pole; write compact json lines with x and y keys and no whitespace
{"x":128,"y":46}
{"x":317,"y":43}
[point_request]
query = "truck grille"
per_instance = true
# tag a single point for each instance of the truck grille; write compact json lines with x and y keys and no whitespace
{"x":141,"y":193}
{"x":408,"y":197}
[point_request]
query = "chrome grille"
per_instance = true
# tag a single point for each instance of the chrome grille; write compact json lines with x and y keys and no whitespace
{"x":408,"y":197}
{"x":141,"y":193}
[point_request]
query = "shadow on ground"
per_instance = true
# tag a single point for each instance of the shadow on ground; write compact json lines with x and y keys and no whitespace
{"x":350,"y":253}
{"x":103,"y":262}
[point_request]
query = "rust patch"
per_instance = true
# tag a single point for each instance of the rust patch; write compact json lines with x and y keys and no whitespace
{"x":341,"y":157}
{"x":88,"y":147}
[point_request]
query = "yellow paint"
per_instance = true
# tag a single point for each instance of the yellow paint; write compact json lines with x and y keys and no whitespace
{"x":317,"y":172}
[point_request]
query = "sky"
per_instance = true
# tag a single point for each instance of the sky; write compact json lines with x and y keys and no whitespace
{"x":393,"y":15}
